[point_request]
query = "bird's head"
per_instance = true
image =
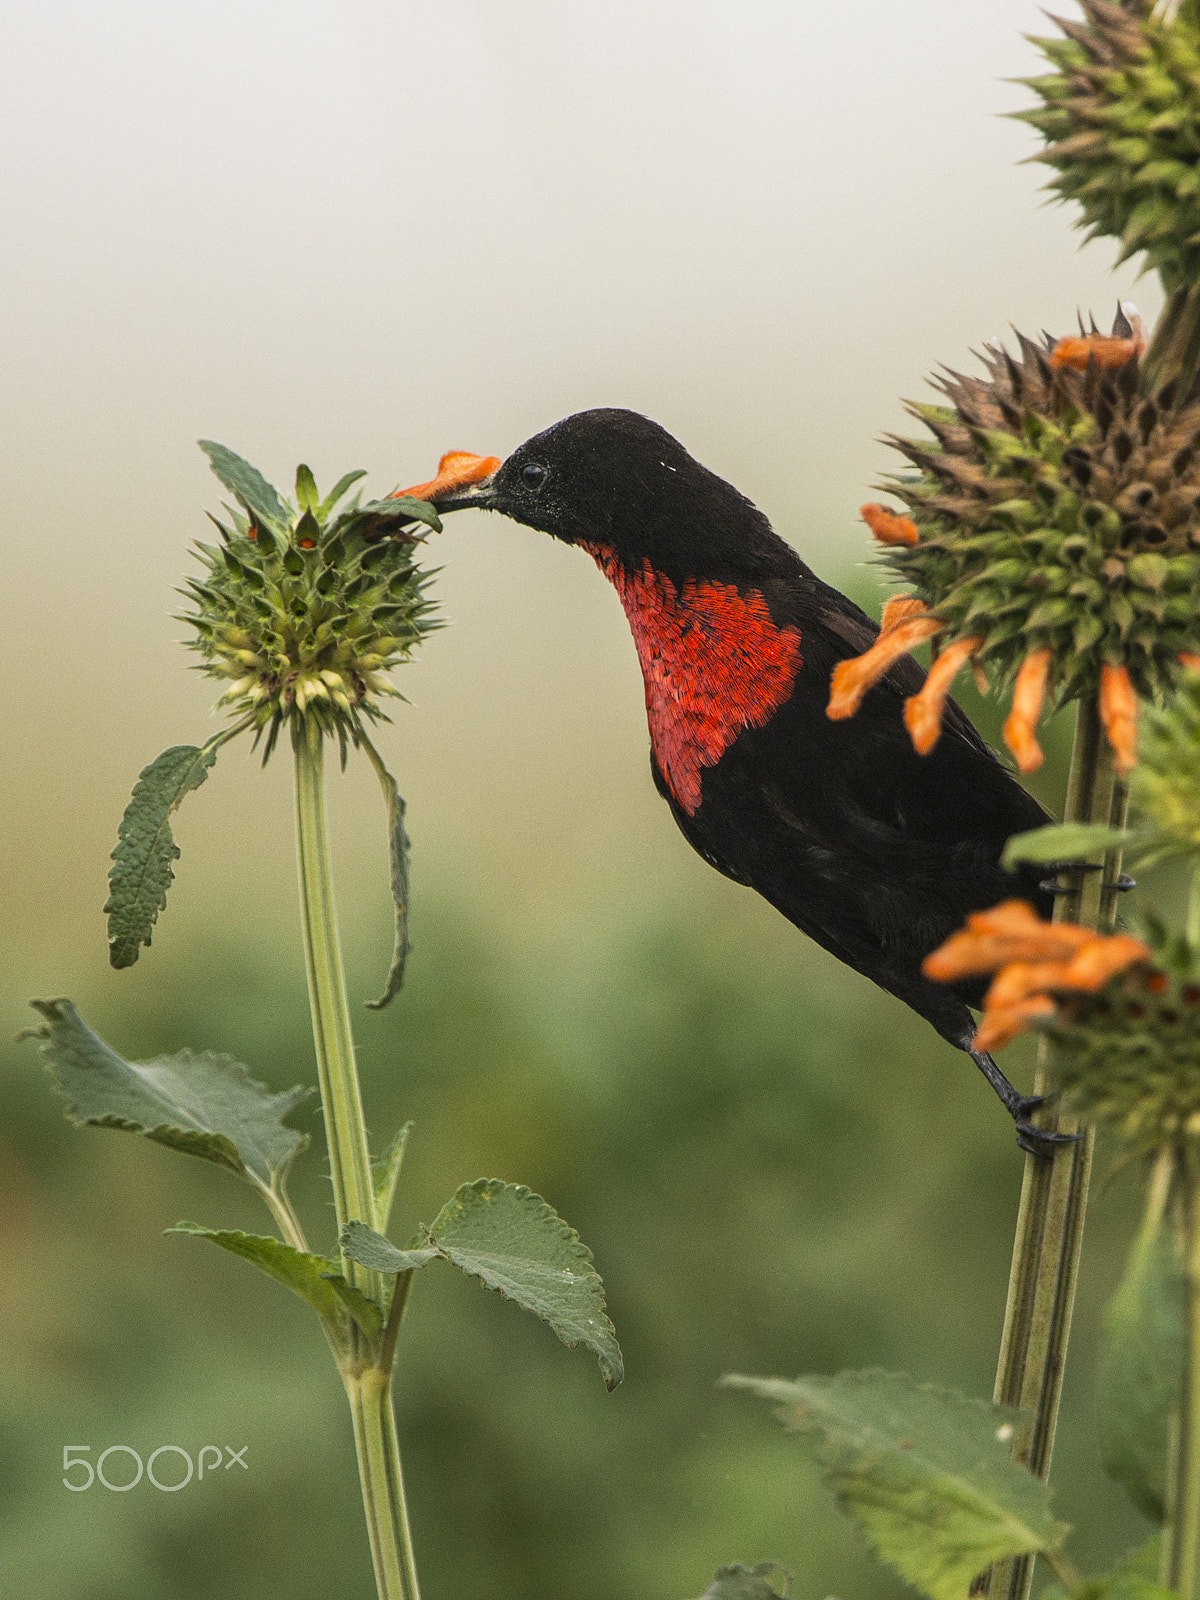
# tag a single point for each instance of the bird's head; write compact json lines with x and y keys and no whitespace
{"x":615,"y":481}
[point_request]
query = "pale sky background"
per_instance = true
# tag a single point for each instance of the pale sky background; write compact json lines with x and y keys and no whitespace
{"x":362,"y":233}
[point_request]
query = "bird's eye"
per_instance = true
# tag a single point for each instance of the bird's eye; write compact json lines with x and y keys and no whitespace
{"x":533,"y":476}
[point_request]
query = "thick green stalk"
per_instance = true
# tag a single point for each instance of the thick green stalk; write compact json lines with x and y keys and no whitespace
{"x":341,"y":1098}
{"x":366,"y":1376}
{"x":1049,"y":1236}
{"x":378,"y":1450}
{"x":1174,"y":352}
{"x":1181,"y":1564}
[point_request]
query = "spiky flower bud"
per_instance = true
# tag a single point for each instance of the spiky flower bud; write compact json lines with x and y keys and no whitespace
{"x":1120,"y":114}
{"x":1129,"y":1056}
{"x":1054,"y":537}
{"x":1166,"y":788}
{"x":304,"y":610}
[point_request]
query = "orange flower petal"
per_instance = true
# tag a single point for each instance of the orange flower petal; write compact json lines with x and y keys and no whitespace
{"x":998,"y":1028}
{"x":1029,"y":694}
{"x":1118,"y":713}
{"x":902,"y":606}
{"x":852,"y":679}
{"x":923,"y":710}
{"x":887,"y":527}
{"x":1011,"y":918}
{"x":1011,"y":931}
{"x":1101,"y":348}
{"x":456,"y":468}
{"x":1019,"y":979}
{"x":1187,"y":658}
{"x":1095,"y":963}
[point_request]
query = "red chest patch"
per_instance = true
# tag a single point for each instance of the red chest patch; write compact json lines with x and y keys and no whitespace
{"x":713,"y":663}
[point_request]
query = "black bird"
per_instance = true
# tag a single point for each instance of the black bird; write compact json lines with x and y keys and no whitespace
{"x":875,"y":852}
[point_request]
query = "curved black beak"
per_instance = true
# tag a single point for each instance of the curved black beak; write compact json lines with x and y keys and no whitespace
{"x":462,"y":480}
{"x":468,"y":494}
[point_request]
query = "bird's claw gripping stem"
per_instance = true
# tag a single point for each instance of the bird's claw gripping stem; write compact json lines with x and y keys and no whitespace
{"x":1055,"y":885}
{"x":1033,"y":1140}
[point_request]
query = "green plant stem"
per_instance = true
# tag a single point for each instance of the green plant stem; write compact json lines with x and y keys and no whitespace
{"x":341,"y":1098}
{"x":1049,"y":1235}
{"x":378,"y":1450}
{"x":1181,"y":1564}
{"x":1174,"y":352}
{"x":367,"y":1379}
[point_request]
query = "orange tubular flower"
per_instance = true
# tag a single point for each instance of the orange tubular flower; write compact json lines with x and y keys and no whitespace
{"x":1033,"y":961}
{"x":887,"y":527}
{"x":1001,"y":1027}
{"x":1118,"y":713}
{"x":852,"y":679}
{"x":1189,"y":659}
{"x":1029,"y":694}
{"x":923,"y":710}
{"x":1101,"y":348}
{"x":1011,"y":931}
{"x":456,"y":468}
{"x":902,"y":606}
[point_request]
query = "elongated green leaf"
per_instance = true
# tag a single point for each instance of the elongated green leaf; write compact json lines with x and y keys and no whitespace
{"x":259,"y":497}
{"x":398,"y":848}
{"x":1135,"y":1578}
{"x":925,"y":1473}
{"x":1062,"y":841}
{"x":364,"y":1311}
{"x":207,"y":1105}
{"x":338,"y":490}
{"x":1141,"y":1367}
{"x":306,"y":490}
{"x":746,"y":1583}
{"x":403,"y":508}
{"x":141,"y":871}
{"x":305,"y":1275}
{"x":384,"y":1175}
{"x":370,"y":1248}
{"x":513,"y":1242}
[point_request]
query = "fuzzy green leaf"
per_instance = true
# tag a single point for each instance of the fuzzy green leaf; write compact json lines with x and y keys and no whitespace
{"x":363,"y":1244}
{"x":1135,"y":1578}
{"x":363,"y":1310}
{"x":925,"y":1473}
{"x":398,"y":848}
{"x":306,"y":489}
{"x":206,"y":1105}
{"x":141,"y":871}
{"x":513,"y":1242}
{"x":338,"y":490}
{"x":746,"y":1583}
{"x":403,"y":508}
{"x":1140,"y":1369}
{"x":384,"y":1174}
{"x":380,"y":517}
{"x":1063,"y":841}
{"x":259,"y":497}
{"x":304,"y":1274}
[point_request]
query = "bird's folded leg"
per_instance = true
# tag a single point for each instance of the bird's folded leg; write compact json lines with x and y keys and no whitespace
{"x":1020,"y":1107}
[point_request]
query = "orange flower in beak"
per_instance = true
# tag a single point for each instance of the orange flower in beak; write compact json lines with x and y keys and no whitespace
{"x":456,"y":470}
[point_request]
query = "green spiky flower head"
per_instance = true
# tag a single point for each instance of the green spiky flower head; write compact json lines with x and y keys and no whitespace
{"x":1129,"y":1056}
{"x":1166,"y":787}
{"x":1120,"y":114}
{"x":1058,"y":509}
{"x":304,"y":609}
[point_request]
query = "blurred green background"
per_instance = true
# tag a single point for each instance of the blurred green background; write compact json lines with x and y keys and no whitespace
{"x":362,"y":233}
